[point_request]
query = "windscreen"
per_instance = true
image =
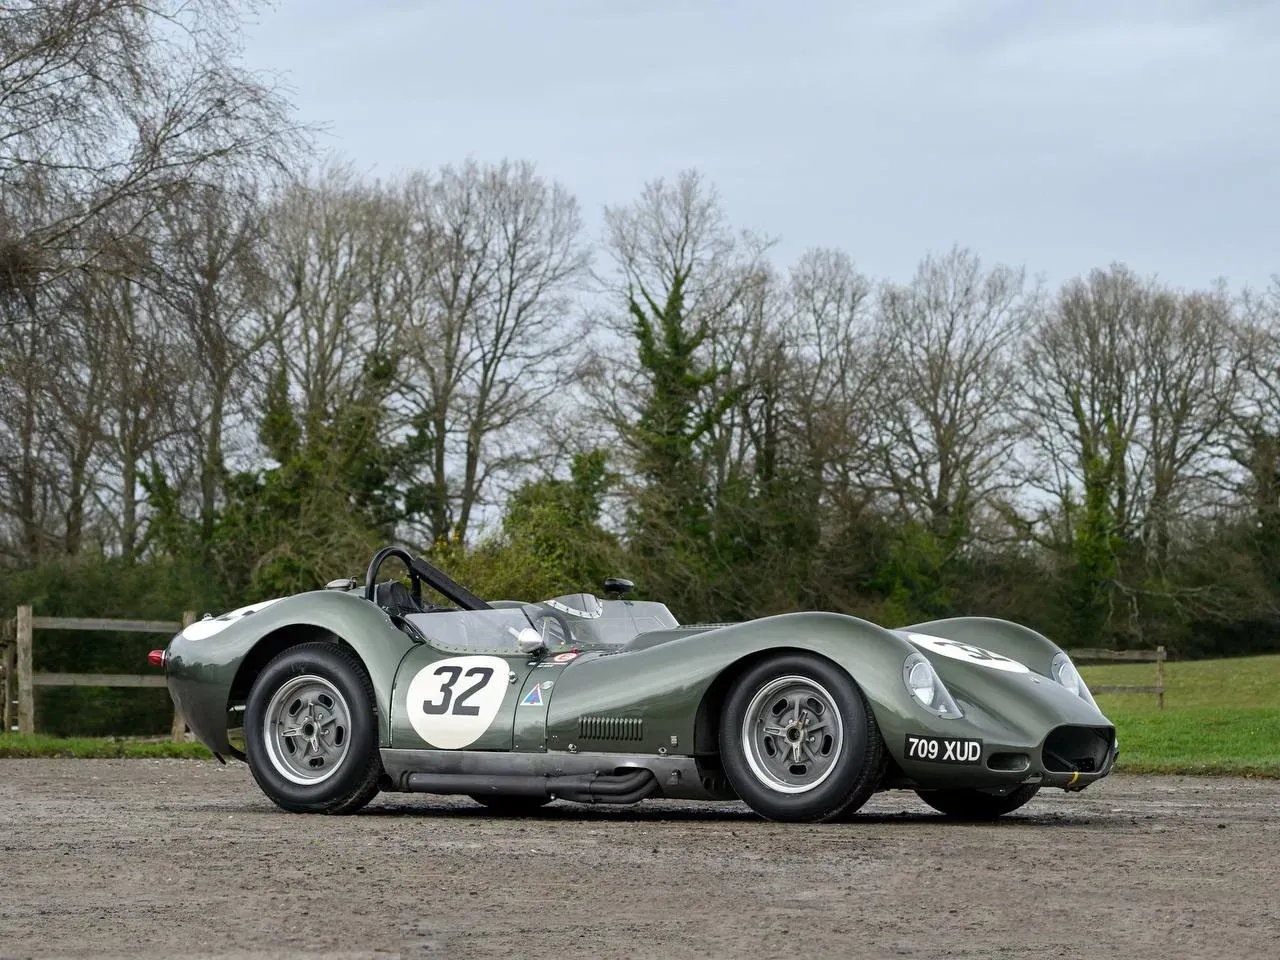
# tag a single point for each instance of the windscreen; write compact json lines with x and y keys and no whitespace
{"x":596,"y":623}
{"x":496,"y":630}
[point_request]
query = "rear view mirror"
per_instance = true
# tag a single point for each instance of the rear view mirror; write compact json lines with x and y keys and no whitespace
{"x":618,"y":587}
{"x":529,"y":640}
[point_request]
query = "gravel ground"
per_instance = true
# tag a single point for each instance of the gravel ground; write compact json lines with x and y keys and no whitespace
{"x":169,"y":858}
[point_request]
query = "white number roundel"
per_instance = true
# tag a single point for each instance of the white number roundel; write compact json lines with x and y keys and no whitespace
{"x":452,"y":702}
{"x":967,"y":652}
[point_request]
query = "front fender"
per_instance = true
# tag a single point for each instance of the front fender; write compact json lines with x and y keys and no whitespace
{"x":664,"y":685}
{"x":202,"y":670}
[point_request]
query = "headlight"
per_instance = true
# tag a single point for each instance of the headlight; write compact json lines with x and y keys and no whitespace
{"x":1065,"y":672}
{"x":926,"y":686}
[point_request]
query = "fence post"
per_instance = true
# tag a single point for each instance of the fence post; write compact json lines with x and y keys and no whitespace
{"x":179,"y":729}
{"x":7,"y":641}
{"x":1159,"y":678}
{"x":26,"y":694}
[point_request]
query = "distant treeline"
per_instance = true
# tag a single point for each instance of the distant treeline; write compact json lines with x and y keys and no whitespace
{"x":228,"y":373}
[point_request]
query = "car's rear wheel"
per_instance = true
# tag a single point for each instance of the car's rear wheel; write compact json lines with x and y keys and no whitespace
{"x":798,"y":741}
{"x":979,"y":804}
{"x":311,"y":730}
{"x":510,"y":804}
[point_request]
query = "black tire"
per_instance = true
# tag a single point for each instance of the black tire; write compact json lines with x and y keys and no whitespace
{"x":844,"y":778}
{"x":971,"y":804}
{"x":509,"y":804}
{"x":353,"y":781}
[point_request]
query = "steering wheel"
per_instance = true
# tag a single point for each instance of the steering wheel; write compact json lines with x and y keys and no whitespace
{"x":371,"y":578}
{"x":558,"y":617}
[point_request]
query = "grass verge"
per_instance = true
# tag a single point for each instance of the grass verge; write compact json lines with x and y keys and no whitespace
{"x":1219,"y":717}
{"x":95,"y":748}
{"x":1222,"y":741}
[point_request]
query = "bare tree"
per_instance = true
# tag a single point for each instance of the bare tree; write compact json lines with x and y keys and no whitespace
{"x":329,"y":254}
{"x":1190,"y":382}
{"x":488,"y":340}
{"x":675,"y":234}
{"x":830,"y":325}
{"x":677,"y":229}
{"x":1253,"y":437}
{"x":78,"y":394}
{"x":144,"y":357}
{"x":946,"y":343}
{"x":104,"y":104}
{"x":214,"y":279}
{"x":89,"y":401}
{"x":1130,"y":386}
{"x":1083,"y":392}
{"x":110,"y":110}
{"x":30,"y":352}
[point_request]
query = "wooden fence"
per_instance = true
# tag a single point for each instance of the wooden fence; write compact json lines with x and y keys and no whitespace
{"x":8,"y":654}
{"x":18,"y":672}
{"x":1155,"y":656}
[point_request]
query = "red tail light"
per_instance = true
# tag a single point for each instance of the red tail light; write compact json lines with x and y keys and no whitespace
{"x":158,"y":658}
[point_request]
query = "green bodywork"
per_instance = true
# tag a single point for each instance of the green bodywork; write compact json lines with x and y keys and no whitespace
{"x":208,"y":677}
{"x":660,"y":694}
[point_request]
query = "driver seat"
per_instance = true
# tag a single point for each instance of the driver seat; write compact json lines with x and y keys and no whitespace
{"x":395,"y":598}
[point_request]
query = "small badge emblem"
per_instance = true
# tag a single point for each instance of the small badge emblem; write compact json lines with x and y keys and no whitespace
{"x":533,"y":698}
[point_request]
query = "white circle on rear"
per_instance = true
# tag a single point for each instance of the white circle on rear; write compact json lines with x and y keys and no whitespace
{"x":452,"y":702}
{"x":967,"y":652}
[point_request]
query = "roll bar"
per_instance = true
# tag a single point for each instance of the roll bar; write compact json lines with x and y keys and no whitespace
{"x":421,"y":572}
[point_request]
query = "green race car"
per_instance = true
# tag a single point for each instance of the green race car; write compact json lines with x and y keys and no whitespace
{"x":336,"y":694}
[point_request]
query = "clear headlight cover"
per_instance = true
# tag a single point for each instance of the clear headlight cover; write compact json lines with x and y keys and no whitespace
{"x":924,"y":684}
{"x":1065,"y":672}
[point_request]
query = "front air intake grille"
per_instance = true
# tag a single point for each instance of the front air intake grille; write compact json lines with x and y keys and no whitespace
{"x":1082,"y":749}
{"x":611,"y":728}
{"x":1008,"y":762}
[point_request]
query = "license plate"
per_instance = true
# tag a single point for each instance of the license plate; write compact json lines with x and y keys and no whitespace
{"x":943,"y":749}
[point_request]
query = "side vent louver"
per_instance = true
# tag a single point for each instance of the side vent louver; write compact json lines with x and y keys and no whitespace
{"x":610,"y":728}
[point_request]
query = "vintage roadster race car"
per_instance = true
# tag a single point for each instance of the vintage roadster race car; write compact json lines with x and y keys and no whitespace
{"x":335,"y":694}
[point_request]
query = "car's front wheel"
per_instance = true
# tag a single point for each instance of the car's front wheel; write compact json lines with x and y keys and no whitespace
{"x":798,"y":740}
{"x":311,"y":730}
{"x":978,"y":804}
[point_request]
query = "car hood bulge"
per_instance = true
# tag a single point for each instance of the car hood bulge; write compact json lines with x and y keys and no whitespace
{"x":935,"y":647}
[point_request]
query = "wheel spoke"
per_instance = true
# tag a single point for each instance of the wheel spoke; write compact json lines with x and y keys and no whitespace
{"x":798,"y":708}
{"x":327,"y":746}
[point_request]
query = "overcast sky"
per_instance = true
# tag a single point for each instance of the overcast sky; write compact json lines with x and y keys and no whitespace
{"x":1058,"y":136}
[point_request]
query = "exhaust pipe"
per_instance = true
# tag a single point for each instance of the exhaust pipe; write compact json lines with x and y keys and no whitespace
{"x":630,"y":787}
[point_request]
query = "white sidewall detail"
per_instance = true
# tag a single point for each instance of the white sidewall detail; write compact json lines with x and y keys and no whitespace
{"x":967,"y":652}
{"x":450,"y":730}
